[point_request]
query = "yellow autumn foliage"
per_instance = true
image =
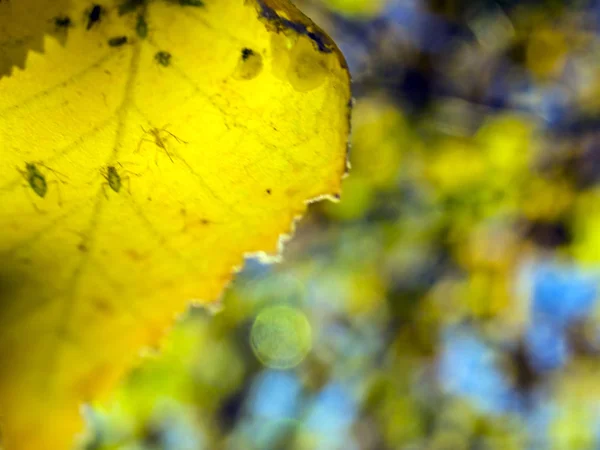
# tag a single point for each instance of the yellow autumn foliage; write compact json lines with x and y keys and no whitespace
{"x":142,"y":156}
{"x":357,"y":8}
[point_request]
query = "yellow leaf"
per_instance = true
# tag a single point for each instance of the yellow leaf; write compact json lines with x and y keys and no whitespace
{"x":140,"y":160}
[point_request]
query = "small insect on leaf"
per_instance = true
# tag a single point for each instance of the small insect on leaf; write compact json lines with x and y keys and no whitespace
{"x":62,"y":22}
{"x":163,"y":58}
{"x":94,"y":16}
{"x":36,"y":180}
{"x":117,"y":41}
{"x":159,"y":137}
{"x":141,"y":27}
{"x":113,"y":178}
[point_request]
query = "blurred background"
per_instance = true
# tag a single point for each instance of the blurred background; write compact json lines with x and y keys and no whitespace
{"x":449,"y":301}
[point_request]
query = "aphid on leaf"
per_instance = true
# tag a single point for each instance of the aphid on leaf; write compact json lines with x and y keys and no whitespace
{"x":94,"y":15}
{"x":62,"y":22}
{"x":163,"y":58}
{"x":117,"y":41}
{"x":159,"y":136}
{"x":141,"y":27}
{"x":37,"y":181}
{"x":113,"y":179}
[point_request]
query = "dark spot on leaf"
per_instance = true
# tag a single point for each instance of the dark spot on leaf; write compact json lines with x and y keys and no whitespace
{"x":141,"y":27}
{"x":249,"y":66}
{"x":196,"y":3}
{"x":62,"y":22}
{"x":117,"y":41}
{"x":128,"y":6}
{"x":82,"y":248}
{"x":134,"y":255}
{"x":268,"y":191}
{"x":103,"y":306}
{"x":163,"y":58}
{"x":94,"y":15}
{"x":246,"y":53}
